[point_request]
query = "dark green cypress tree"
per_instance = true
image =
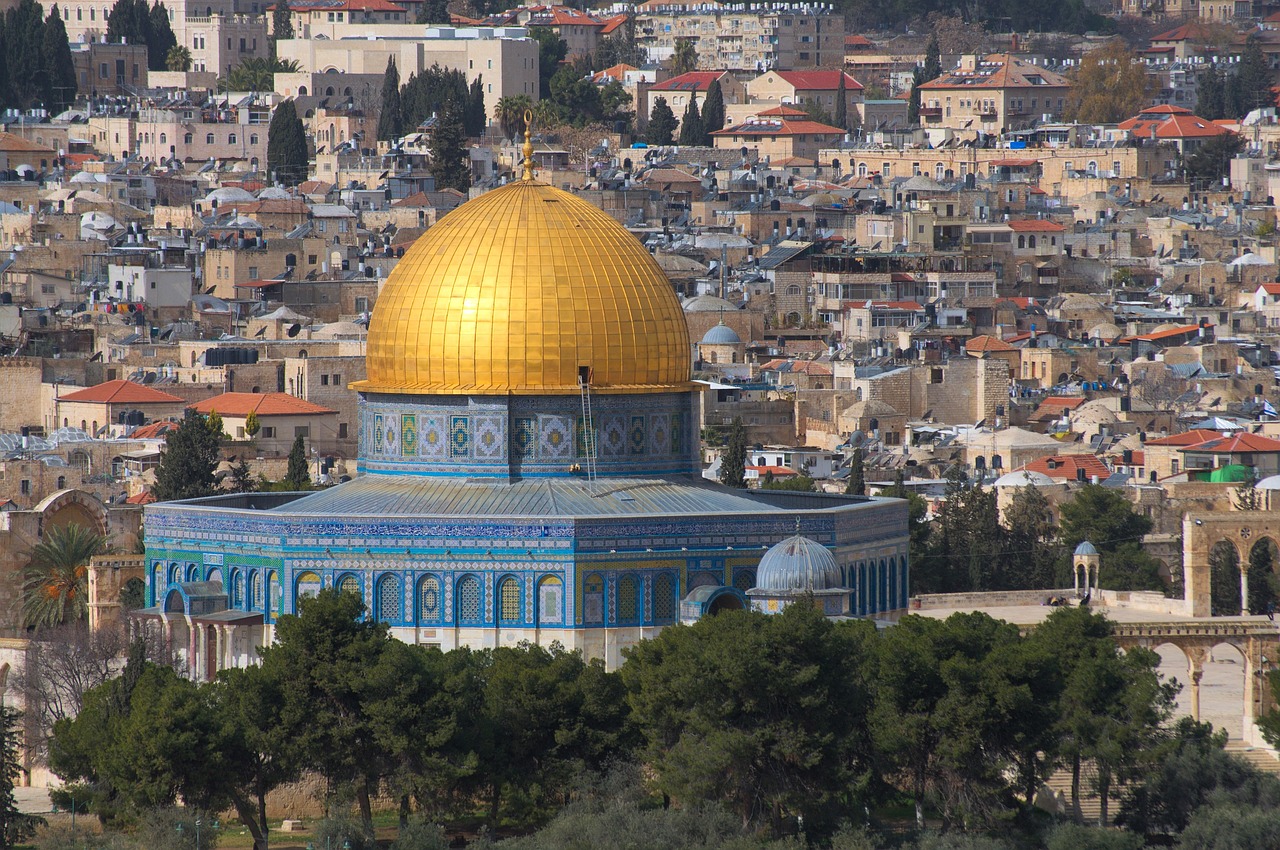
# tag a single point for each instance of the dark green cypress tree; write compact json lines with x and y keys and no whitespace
{"x":691,"y":124}
{"x":187,"y":463}
{"x":842,"y":104}
{"x":1253,"y":80}
{"x":15,"y":827}
{"x":662,"y":123}
{"x":1210,"y":94}
{"x":59,"y":78}
{"x":390,"y":119}
{"x":449,"y":160}
{"x":733,"y":463}
{"x":474,"y":118}
{"x":857,"y":483}
{"x":160,"y":37}
{"x":281,"y":24}
{"x":434,"y":12}
{"x":24,"y":26}
{"x":287,"y":146}
{"x":298,"y":476}
{"x":712,"y":112}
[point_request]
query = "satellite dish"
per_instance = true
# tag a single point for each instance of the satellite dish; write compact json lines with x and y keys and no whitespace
{"x":294,"y":330}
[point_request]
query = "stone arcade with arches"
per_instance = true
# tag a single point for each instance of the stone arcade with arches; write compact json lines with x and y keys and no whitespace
{"x":531,"y":466}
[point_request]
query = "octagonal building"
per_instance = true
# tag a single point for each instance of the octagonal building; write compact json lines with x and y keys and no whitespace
{"x":530,"y":465}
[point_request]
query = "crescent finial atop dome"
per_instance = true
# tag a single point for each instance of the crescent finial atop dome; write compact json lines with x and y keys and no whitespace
{"x":528,"y":144}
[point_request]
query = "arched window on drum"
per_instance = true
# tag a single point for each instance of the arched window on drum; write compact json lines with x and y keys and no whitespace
{"x":593,"y":600}
{"x":307,"y":584}
{"x":628,"y":600}
{"x":550,"y":601}
{"x":509,"y":601}
{"x":470,"y":601}
{"x":429,"y":602}
{"x":664,"y":599}
{"x":389,"y":605}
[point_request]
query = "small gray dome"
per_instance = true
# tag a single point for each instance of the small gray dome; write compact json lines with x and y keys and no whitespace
{"x":1086,"y":548}
{"x":798,"y":564}
{"x":721,"y":334}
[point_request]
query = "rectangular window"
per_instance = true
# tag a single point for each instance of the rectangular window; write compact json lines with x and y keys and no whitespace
{"x":26,"y":486}
{"x":268,"y":432}
{"x":342,"y":430}
{"x":301,"y":431}
{"x":324,"y":380}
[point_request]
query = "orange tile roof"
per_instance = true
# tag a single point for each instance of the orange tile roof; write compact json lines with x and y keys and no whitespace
{"x":12,"y":143}
{"x":121,"y":392}
{"x":1167,"y":333}
{"x":1062,"y":402}
{"x":143,"y":498}
{"x":1066,"y":467}
{"x":1187,"y":438}
{"x":986,"y":342}
{"x":776,"y":470}
{"x":1038,"y":225}
{"x":153,"y":430}
{"x":998,"y":71}
{"x":779,"y":127}
{"x":1271,"y":288}
{"x":819,"y":80}
{"x":783,"y":111}
{"x":1235,"y":444}
{"x":611,"y":24}
{"x":692,"y":81}
{"x":263,"y":404}
{"x":1172,"y":122}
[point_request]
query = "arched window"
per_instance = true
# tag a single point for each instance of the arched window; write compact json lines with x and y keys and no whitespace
{"x":509,"y":600}
{"x":193,"y":572}
{"x":157,"y":582}
{"x":793,"y":290}
{"x":429,"y":600}
{"x":62,"y":482}
{"x":628,"y":600}
{"x":187,"y":138}
{"x":550,"y":600}
{"x":214,"y":575}
{"x":743,"y":580}
{"x":236,"y":589}
{"x":231,"y":138}
{"x":593,"y":600}
{"x":251,"y":591}
{"x":664,"y":599}
{"x":389,"y":599}
{"x":164,"y":138}
{"x":208,"y":138}
{"x":1031,"y":241}
{"x":470,"y":601}
{"x":1022,"y":241}
{"x":253,"y":138}
{"x":862,"y":169}
{"x":350,"y":584}
{"x":273,"y":594}
{"x":307,"y":584}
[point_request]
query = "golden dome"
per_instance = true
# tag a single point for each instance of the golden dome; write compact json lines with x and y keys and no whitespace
{"x":512,"y":292}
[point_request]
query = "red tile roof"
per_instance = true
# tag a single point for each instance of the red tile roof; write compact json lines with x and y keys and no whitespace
{"x":263,"y":404}
{"x":1167,"y":333}
{"x":1037,"y":225}
{"x":859,"y":41}
{"x":779,"y":127}
{"x":986,"y":342}
{"x":776,"y":470}
{"x":1061,"y":402}
{"x":1235,"y":444}
{"x":1187,"y":438}
{"x":692,"y":81}
{"x":783,"y":111}
{"x":121,"y":392}
{"x":1171,"y":122}
{"x":998,"y":71}
{"x":153,"y":430}
{"x":819,"y":80}
{"x":1066,"y":467}
{"x":143,"y":498}
{"x":1271,"y":288}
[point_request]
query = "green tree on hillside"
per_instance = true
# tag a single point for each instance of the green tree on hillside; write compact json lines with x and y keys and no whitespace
{"x":298,"y":476}
{"x":188,"y":461}
{"x":712,"y":112}
{"x":15,"y":827}
{"x":691,"y":131}
{"x":59,"y":76}
{"x":662,"y":123}
{"x":733,"y":462}
{"x":450,"y":162}
{"x":287,"y":155}
{"x":390,"y":118}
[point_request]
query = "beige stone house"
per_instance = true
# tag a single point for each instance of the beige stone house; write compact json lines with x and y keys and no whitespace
{"x":802,"y":88}
{"x":992,"y":94}
{"x":281,"y":418}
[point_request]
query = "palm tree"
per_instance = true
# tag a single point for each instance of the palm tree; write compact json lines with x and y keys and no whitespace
{"x":258,"y":74}
{"x":509,"y":113}
{"x":178,"y":58}
{"x":685,"y":57}
{"x":56,"y":581}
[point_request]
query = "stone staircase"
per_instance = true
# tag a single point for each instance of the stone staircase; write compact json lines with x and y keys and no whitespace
{"x":1089,"y":806}
{"x":1260,"y":757}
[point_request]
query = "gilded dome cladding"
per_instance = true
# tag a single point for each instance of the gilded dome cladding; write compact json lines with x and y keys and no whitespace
{"x":512,"y":292}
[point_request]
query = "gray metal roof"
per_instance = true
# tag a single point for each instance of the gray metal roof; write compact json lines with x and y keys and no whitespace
{"x":388,"y":496}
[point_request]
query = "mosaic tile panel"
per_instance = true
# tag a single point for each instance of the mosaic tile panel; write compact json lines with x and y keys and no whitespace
{"x":489,"y":437}
{"x":459,"y":437}
{"x":636,"y":437}
{"x":555,"y":438}
{"x":408,"y":435}
{"x":524,"y":437}
{"x":433,"y":440}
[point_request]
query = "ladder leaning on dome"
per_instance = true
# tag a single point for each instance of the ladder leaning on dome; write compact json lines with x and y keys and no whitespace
{"x":588,"y":426}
